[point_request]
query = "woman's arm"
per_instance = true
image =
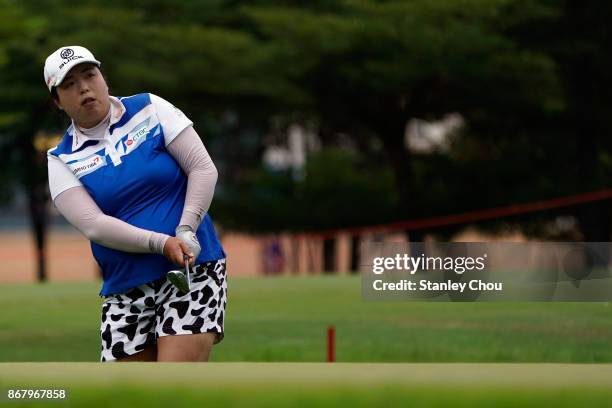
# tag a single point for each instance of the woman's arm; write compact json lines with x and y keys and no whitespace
{"x":189,"y":151}
{"x":77,"y":206}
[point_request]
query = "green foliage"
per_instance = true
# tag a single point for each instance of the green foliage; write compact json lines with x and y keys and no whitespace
{"x":524,"y":74}
{"x":342,"y":189}
{"x":337,"y":189}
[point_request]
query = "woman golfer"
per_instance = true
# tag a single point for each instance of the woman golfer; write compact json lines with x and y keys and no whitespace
{"x":133,"y":176}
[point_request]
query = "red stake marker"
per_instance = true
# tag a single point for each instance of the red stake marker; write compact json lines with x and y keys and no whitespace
{"x":331,"y":346}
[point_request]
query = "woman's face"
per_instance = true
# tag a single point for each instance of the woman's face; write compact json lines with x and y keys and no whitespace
{"x":83,"y":94}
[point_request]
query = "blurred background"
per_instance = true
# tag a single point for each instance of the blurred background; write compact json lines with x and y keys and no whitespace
{"x":332,"y":122}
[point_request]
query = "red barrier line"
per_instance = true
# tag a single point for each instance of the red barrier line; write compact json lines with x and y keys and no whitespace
{"x":472,"y":216}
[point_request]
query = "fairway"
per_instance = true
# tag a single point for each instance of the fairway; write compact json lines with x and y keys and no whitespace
{"x":279,"y":319}
{"x":318,"y":384}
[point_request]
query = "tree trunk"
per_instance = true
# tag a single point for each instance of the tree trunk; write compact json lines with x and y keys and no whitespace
{"x":34,"y":181}
{"x":392,"y":136}
{"x":329,"y":255}
{"x":295,"y":255}
{"x":401,"y":164}
{"x":415,"y":235}
{"x":355,"y":254}
{"x":595,"y":221}
{"x":39,"y":219}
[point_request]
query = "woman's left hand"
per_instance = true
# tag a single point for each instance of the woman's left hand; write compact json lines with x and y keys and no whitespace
{"x":175,"y":249}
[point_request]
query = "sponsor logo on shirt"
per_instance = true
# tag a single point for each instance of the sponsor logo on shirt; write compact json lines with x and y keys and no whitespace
{"x":135,"y":138}
{"x":88,"y":165}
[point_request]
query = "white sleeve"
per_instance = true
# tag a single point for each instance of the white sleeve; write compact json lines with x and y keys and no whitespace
{"x":60,"y":176}
{"x":190,"y":153}
{"x":77,"y":206}
{"x":172,"y":120}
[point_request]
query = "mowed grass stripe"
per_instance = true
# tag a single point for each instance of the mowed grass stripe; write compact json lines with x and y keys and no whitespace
{"x":301,"y":374}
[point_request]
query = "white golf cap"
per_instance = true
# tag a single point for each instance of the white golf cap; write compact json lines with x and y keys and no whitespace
{"x":62,"y":60}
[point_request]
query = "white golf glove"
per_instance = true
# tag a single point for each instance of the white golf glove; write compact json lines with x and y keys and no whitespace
{"x":186,"y":234}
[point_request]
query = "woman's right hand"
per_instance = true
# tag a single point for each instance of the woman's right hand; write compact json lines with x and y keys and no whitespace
{"x":175,"y":249}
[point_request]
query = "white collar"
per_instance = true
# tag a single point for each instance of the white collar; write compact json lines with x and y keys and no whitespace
{"x":116,"y":112}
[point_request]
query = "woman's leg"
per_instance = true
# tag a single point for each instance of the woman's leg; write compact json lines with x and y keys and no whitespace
{"x":190,"y":323}
{"x":127,"y":329}
{"x":186,"y":347}
{"x":148,"y":354}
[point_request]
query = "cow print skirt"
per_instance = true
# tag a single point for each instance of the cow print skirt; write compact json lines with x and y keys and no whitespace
{"x":134,"y":320}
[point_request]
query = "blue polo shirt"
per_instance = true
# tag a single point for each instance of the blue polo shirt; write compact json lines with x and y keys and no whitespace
{"x":131,"y":176}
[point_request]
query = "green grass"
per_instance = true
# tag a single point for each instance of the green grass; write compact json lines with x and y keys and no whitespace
{"x":316,"y":384}
{"x":285,"y":319}
{"x":299,"y":396}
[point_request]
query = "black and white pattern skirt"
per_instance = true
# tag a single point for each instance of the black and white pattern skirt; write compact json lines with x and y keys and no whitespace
{"x":134,"y":320}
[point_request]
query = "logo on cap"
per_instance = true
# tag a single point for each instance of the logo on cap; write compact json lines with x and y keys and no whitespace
{"x":66,"y":53}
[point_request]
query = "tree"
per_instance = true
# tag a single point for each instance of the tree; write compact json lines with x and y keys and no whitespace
{"x":339,"y":189}
{"x":24,"y":112}
{"x":372,"y":66}
{"x":520,"y":72}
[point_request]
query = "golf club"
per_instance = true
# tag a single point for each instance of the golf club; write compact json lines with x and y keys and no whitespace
{"x":181,"y":279}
